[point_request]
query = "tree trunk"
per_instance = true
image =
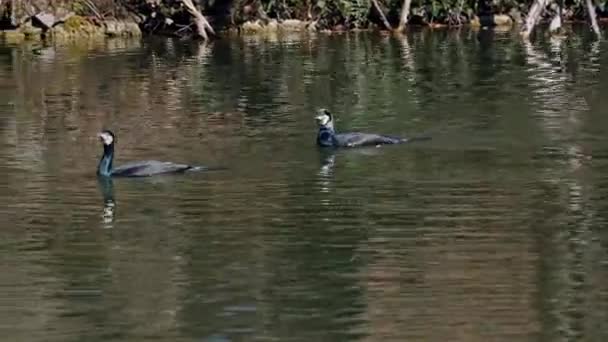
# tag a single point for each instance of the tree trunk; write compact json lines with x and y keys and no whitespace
{"x":592,"y":17}
{"x":405,"y":13}
{"x":533,"y":16}
{"x":382,"y":16}
{"x":202,"y":25}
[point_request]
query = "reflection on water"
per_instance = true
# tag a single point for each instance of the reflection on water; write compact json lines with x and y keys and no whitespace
{"x":106,"y":186}
{"x":493,"y":230}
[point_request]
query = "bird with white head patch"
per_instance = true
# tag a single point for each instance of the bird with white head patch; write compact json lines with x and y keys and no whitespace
{"x":327,"y":136}
{"x":135,"y":169}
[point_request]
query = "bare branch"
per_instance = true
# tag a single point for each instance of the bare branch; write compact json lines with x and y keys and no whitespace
{"x":202,"y":25}
{"x":592,"y":17}
{"x":382,"y":16}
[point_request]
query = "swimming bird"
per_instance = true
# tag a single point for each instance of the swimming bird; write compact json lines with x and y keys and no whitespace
{"x":327,"y":136}
{"x":135,"y":169}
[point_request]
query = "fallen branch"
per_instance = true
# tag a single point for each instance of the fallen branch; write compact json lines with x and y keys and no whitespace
{"x":405,"y":13}
{"x":592,"y":17}
{"x":534,"y":16}
{"x":382,"y":16}
{"x":183,"y":28}
{"x":202,"y":25}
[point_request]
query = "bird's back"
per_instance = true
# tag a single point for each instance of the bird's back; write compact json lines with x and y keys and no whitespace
{"x":354,"y":139}
{"x":149,"y":168}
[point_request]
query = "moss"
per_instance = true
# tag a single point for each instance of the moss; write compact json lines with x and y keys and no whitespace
{"x":76,"y":27}
{"x":77,"y":23}
{"x":12,"y":36}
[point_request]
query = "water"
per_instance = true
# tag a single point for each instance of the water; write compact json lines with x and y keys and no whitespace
{"x":492,"y":231}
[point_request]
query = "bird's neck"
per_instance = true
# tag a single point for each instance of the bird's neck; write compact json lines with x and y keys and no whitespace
{"x":329,"y":127}
{"x":326,"y":136}
{"x":105,"y":164}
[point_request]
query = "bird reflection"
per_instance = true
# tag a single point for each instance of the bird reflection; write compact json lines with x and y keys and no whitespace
{"x":109,"y":205}
{"x":325,"y":174}
{"x":328,"y":160}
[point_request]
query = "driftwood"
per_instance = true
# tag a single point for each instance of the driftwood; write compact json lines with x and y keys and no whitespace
{"x":202,"y":25}
{"x":592,"y":17}
{"x":405,"y":13}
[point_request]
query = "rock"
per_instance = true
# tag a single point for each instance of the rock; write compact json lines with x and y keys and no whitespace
{"x":44,"y":20}
{"x":293,"y":25}
{"x":491,"y":20}
{"x":132,"y":29}
{"x":252,"y":26}
{"x":502,"y":20}
{"x":114,"y":28}
{"x":272,"y":25}
{"x":30,"y":31}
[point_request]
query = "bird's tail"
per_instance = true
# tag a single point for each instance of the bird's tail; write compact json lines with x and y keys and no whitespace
{"x":417,"y":138}
{"x":206,"y":168}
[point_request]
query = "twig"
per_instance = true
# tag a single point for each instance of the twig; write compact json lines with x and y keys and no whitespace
{"x":93,"y":8}
{"x":183,"y":28}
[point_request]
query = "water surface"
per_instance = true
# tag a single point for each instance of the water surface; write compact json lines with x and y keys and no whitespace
{"x":492,"y":231}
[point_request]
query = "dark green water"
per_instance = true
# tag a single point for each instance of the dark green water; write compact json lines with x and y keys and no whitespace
{"x":493,"y":231}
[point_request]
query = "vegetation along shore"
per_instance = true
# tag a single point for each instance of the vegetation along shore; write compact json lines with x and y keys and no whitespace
{"x":205,"y":19}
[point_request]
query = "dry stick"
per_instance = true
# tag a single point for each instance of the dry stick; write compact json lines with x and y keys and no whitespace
{"x":382,"y":16}
{"x":405,"y":13}
{"x":202,"y":25}
{"x":592,"y":15}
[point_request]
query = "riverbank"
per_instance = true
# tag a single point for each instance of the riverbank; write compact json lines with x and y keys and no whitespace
{"x":89,"y":19}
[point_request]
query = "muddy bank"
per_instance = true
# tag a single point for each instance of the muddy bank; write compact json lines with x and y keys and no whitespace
{"x":22,"y":20}
{"x":74,"y":28}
